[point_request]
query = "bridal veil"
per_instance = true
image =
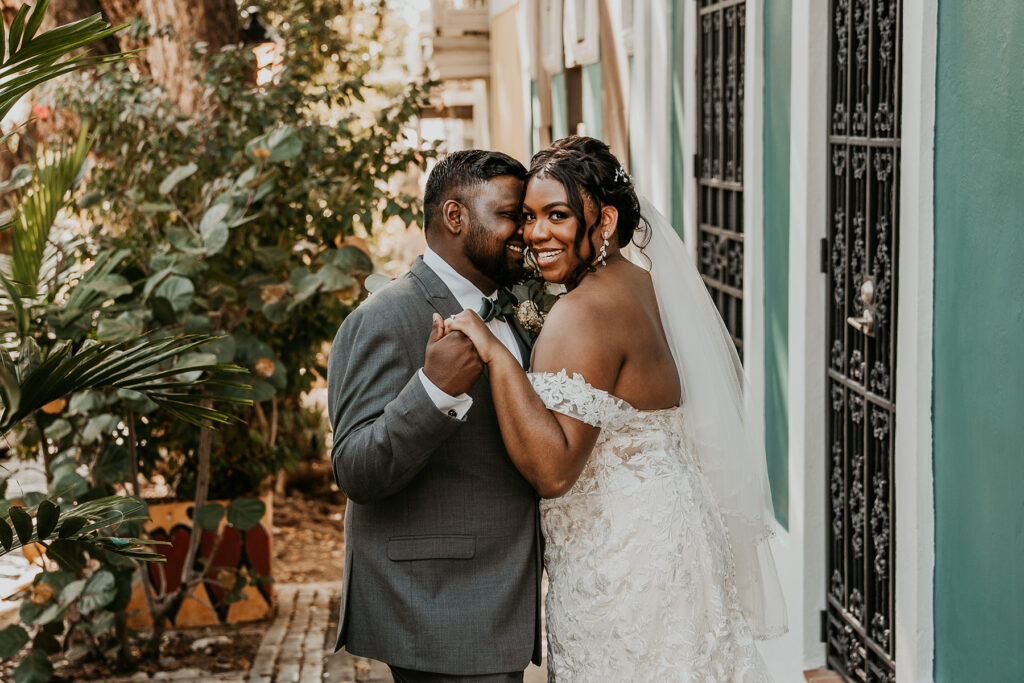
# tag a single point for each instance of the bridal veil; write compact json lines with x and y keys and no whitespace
{"x":728,"y":438}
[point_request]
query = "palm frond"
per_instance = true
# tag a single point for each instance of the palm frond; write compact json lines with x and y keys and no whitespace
{"x":17,"y":306}
{"x":27,"y":60}
{"x":84,"y":299}
{"x":82,"y":523}
{"x":123,"y":365}
{"x":39,"y":204}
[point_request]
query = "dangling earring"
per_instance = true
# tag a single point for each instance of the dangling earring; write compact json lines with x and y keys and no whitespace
{"x":604,"y":252}
{"x":530,"y":261}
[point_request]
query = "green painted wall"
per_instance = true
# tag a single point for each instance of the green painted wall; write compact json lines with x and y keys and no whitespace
{"x":593,"y":116}
{"x":777,"y":23}
{"x":677,"y":122}
{"x":559,"y":112}
{"x":978,"y":392}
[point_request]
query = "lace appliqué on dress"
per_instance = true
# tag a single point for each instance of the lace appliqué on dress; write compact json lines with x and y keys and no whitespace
{"x":641,"y":572}
{"x":575,"y":397}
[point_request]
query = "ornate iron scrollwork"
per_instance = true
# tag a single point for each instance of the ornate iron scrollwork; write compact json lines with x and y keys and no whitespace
{"x":720,"y":75}
{"x":863,"y":235}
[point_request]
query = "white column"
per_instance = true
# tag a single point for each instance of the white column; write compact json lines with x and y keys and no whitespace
{"x":915,"y":513}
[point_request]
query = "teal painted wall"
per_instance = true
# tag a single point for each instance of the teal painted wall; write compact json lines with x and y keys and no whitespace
{"x":777,"y":23}
{"x":978,"y":392}
{"x":559,"y":112}
{"x":677,"y":121}
{"x":593,"y":116}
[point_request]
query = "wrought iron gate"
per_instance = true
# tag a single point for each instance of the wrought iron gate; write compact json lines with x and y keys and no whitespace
{"x":864,"y":149}
{"x":718,"y":163}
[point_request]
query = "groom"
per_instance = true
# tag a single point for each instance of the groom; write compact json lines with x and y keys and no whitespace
{"x":442,"y":537}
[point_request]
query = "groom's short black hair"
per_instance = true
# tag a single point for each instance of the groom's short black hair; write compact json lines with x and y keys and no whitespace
{"x":461,"y":170}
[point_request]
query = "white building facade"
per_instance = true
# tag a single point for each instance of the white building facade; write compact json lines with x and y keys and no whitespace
{"x":794,"y":144}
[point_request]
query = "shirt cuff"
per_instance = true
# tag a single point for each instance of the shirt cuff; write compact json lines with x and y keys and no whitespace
{"x":453,"y":406}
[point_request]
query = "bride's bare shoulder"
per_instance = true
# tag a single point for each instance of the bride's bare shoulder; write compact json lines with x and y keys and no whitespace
{"x":575,"y":312}
{"x":572,"y":329}
{"x":600,"y":300}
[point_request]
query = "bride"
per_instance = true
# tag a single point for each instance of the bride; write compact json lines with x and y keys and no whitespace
{"x":631,"y":425}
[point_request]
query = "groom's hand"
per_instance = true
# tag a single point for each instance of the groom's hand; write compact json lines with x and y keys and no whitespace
{"x":451,"y":362}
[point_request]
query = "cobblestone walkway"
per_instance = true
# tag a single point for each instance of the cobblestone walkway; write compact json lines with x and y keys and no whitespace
{"x":298,"y":646}
{"x":294,"y":646}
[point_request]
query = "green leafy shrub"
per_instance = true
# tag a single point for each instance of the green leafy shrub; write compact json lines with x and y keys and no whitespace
{"x":236,"y":222}
{"x":239,"y":222}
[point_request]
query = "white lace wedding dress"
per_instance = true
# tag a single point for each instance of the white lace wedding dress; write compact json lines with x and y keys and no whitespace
{"x":638,"y":559}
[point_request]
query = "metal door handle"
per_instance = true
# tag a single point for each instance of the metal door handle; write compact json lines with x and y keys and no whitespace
{"x":866,"y":322}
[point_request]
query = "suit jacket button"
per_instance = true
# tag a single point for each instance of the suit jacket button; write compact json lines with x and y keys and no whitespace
{"x":452,"y":412}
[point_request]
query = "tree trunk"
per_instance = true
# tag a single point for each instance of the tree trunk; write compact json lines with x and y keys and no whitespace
{"x":214,"y":22}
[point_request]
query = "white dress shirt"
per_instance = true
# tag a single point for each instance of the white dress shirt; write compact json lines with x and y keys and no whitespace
{"x":468,"y":296}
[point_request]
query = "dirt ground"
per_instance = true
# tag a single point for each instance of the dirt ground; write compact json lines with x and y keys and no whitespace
{"x":309,"y":537}
{"x":231,"y":648}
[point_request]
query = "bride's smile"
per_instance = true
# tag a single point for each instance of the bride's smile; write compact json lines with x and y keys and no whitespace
{"x":546,"y":257}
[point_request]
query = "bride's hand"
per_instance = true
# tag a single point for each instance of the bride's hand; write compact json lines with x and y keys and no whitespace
{"x":470,"y":324}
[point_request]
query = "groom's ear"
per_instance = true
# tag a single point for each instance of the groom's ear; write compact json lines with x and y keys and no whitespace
{"x":451,"y":216}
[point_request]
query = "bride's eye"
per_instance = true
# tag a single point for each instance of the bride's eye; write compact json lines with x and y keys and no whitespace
{"x":528,"y":217}
{"x":558,"y":215}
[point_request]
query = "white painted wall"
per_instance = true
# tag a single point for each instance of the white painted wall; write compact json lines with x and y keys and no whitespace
{"x":915,"y":508}
{"x":652,"y":42}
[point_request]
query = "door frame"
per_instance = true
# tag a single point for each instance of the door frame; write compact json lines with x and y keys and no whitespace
{"x":801,"y":550}
{"x":915,"y":504}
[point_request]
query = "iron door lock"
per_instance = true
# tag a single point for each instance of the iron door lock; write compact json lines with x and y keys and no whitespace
{"x":866,"y":322}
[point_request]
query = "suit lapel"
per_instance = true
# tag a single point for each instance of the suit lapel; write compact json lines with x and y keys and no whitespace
{"x":522,"y":339}
{"x":438,"y":295}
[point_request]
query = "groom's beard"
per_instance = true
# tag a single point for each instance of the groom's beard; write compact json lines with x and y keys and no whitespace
{"x":490,"y":256}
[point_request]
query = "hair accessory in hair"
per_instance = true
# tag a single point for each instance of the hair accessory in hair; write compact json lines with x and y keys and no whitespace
{"x":622,"y":175}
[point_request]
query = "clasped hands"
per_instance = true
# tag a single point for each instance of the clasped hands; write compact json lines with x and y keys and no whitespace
{"x":457,"y":350}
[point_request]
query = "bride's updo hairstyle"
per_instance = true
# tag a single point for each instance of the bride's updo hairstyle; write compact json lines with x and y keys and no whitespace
{"x":589,"y":172}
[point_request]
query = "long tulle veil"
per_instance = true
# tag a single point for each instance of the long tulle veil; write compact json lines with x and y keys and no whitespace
{"x":728,"y":440}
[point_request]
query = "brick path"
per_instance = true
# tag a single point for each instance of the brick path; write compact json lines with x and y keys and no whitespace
{"x":295,"y":647}
{"x":300,"y":643}
{"x":298,"y":647}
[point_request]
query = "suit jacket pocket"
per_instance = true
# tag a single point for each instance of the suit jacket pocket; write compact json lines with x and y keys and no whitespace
{"x":404,"y":548}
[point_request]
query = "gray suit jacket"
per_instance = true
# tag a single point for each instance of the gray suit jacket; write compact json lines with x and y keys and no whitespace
{"x":442,"y":534}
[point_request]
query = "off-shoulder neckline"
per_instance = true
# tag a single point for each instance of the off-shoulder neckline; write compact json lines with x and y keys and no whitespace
{"x":623,"y":402}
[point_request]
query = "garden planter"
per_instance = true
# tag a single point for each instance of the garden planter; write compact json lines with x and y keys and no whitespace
{"x":238,"y":552}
